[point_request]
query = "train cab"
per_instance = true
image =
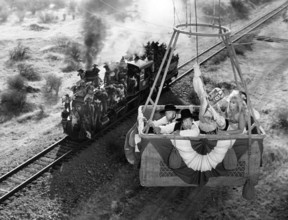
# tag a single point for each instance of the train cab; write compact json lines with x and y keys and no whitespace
{"x":140,"y":74}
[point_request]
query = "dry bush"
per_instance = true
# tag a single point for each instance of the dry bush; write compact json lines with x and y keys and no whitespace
{"x":19,"y":53}
{"x":62,"y":42}
{"x":16,"y":83}
{"x":52,"y":83}
{"x":73,"y":58}
{"x":218,"y":58}
{"x":245,"y":43}
{"x":54,"y":56}
{"x":36,"y":27}
{"x":47,"y":17}
{"x":13,"y":101}
{"x":71,"y":65}
{"x":193,"y":98}
{"x":73,"y":52}
{"x":36,"y":115}
{"x":226,"y":85}
{"x":4,"y":11}
{"x":212,"y":68}
{"x":240,"y":9}
{"x":27,"y":71}
{"x":281,"y":119}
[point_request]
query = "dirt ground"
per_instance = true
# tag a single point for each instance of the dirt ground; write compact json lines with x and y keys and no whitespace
{"x":97,"y":185}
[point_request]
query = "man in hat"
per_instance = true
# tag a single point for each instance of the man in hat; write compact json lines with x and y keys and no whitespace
{"x":186,"y":126}
{"x":81,"y":74}
{"x":66,"y":100}
{"x":166,"y":124}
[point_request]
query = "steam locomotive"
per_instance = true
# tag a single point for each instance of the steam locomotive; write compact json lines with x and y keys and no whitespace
{"x":97,"y":102}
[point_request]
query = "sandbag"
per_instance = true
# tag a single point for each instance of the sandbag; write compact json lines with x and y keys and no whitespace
{"x":248,"y":190}
{"x":175,"y":159}
{"x":230,"y":160}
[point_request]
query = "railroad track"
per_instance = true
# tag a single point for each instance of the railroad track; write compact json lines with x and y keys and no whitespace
{"x":31,"y":169}
{"x":205,"y":55}
{"x":19,"y":177}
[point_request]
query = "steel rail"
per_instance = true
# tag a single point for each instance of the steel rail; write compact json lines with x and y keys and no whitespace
{"x":35,"y":176}
{"x":234,"y":37}
{"x":45,"y":167}
{"x":19,"y":167}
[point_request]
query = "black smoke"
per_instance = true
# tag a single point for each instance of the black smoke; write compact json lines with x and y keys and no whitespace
{"x":94,"y":27}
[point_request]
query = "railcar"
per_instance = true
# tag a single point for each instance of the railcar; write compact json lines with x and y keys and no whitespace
{"x":96,"y":103}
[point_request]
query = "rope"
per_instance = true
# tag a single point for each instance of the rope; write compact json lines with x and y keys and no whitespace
{"x":190,"y":17}
{"x":174,"y":10}
{"x":195,"y":7}
{"x":186,"y":12}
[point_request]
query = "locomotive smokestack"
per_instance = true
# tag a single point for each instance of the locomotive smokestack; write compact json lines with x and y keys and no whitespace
{"x":94,"y":31}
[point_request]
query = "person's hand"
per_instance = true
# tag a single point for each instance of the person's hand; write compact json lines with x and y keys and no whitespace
{"x":177,"y":132}
{"x":150,"y":123}
{"x":157,"y":130}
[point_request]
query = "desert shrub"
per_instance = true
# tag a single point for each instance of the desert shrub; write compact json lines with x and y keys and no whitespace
{"x":54,"y":56}
{"x":193,"y":98}
{"x":35,"y":115}
{"x":19,"y":53}
{"x":16,"y":83}
{"x":13,"y":101}
{"x":71,"y":65}
{"x":61,"y":44}
{"x":52,"y":83}
{"x":281,"y":119}
{"x":36,"y":27}
{"x":27,"y":71}
{"x":226,"y":85}
{"x":73,"y":58}
{"x":73,"y":52}
{"x":212,"y":68}
{"x":4,"y":11}
{"x":243,"y":44}
{"x":47,"y":17}
{"x":241,"y":10}
{"x":218,"y":58}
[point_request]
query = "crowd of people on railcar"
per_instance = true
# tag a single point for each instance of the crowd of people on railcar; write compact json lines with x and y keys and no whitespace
{"x":93,"y":91}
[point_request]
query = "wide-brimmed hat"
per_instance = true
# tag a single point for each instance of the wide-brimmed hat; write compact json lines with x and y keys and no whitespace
{"x":169,"y":107}
{"x":185,"y":113}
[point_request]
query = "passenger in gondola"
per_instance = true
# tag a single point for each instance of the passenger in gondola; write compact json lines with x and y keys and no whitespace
{"x":209,"y":119}
{"x":186,"y":125}
{"x":166,"y":124}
